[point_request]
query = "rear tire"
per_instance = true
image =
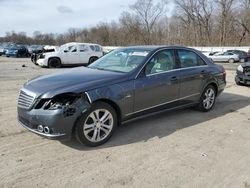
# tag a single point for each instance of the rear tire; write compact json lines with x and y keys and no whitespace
{"x":231,"y":60}
{"x":238,"y":82}
{"x":242,"y":60}
{"x":207,"y":99}
{"x":92,"y":60}
{"x":97,"y":125}
{"x":54,"y":63}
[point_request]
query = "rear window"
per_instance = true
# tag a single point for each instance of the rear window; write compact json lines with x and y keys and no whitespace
{"x":189,"y":59}
{"x":96,"y":48}
{"x":92,"y":47}
{"x":83,"y":48}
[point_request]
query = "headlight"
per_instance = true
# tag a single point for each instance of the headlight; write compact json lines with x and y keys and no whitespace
{"x":15,"y":51}
{"x":42,"y":56}
{"x":57,"y":102}
{"x":240,"y":68}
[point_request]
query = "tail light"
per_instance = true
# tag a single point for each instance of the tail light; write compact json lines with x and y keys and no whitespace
{"x":224,"y":73}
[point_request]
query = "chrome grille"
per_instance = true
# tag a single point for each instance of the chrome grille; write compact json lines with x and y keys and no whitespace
{"x":25,"y":99}
{"x":247,"y":69}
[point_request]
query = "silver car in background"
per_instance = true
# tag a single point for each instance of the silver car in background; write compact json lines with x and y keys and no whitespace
{"x":225,"y":57}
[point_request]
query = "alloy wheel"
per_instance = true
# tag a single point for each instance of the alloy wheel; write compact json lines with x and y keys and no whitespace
{"x":209,"y":98}
{"x":98,"y":125}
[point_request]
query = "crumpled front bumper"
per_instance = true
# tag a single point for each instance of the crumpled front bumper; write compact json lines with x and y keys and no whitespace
{"x":60,"y":122}
{"x":42,"y":62}
{"x":242,"y":78}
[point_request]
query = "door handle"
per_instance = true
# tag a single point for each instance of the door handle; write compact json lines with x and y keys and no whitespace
{"x":173,"y":78}
{"x":203,"y":72}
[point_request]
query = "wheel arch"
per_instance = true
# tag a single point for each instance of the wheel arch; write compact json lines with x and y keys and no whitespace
{"x":114,"y":105}
{"x":214,"y":84}
{"x":54,"y":57}
{"x":111,"y":103}
{"x":93,"y":56}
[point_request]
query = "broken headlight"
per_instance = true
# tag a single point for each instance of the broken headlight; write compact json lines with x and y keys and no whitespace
{"x":240,"y":68}
{"x":57,"y":102}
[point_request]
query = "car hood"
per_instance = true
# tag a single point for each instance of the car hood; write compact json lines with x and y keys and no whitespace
{"x":50,"y":54}
{"x":75,"y":80}
{"x":12,"y":49}
{"x":247,"y":64}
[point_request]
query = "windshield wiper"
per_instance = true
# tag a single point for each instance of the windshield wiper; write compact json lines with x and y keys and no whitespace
{"x":101,"y":68}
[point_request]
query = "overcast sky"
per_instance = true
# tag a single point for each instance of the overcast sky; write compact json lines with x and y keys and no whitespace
{"x":57,"y":16}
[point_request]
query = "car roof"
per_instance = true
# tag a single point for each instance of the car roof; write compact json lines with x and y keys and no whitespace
{"x":75,"y":43}
{"x":155,"y":47}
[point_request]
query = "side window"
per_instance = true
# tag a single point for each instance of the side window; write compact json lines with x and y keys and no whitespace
{"x":161,"y":62}
{"x":83,"y":48}
{"x":189,"y":59}
{"x":70,"y":49}
{"x":92,"y":47}
{"x":97,"y":48}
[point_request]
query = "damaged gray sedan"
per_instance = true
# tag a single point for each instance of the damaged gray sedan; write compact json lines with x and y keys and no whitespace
{"x":89,"y":102}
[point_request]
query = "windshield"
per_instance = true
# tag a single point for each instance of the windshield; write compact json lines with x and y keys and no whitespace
{"x":121,"y":60}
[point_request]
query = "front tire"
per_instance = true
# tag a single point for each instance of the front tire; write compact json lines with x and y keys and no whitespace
{"x":54,"y":63}
{"x":97,"y":125}
{"x":207,"y":99}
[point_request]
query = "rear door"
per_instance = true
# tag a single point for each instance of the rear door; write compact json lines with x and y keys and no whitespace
{"x":70,"y":55}
{"x":193,"y":73}
{"x":84,"y":54}
{"x":158,"y":83}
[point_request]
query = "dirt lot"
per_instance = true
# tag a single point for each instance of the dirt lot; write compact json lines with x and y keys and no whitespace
{"x":185,"y":148}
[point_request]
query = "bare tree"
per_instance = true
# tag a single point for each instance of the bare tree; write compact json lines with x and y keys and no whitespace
{"x":196,"y":17}
{"x":193,"y":23}
{"x":148,"y":13}
{"x":225,"y":18}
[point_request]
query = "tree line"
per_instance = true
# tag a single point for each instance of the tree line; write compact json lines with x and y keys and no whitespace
{"x":192,"y":23}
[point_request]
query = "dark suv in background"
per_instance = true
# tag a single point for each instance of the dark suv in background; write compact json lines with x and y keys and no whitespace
{"x":89,"y":102}
{"x":243,"y":56}
{"x":16,"y":51}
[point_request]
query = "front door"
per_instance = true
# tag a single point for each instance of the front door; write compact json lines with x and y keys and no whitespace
{"x":84,"y":54}
{"x":158,"y":84}
{"x":70,"y":55}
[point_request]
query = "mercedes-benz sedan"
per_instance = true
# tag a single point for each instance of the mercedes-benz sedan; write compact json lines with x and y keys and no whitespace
{"x":89,"y":102}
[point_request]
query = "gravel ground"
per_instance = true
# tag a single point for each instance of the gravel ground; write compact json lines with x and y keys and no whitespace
{"x":184,"y":148}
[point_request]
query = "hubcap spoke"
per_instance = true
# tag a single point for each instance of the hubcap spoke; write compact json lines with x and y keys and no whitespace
{"x":94,"y":135}
{"x":93,"y":117}
{"x":105,"y":117}
{"x":96,"y":114}
{"x":104,"y":130}
{"x":88,"y":126}
{"x":89,"y":130}
{"x":105,"y":126}
{"x":98,"y":135}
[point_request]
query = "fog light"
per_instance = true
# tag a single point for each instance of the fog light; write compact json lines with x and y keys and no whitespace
{"x":40,"y":128}
{"x":46,"y":130}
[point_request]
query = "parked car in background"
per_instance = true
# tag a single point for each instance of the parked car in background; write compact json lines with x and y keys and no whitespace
{"x":243,"y":74}
{"x":35,"y":49}
{"x":16,"y":51}
{"x":206,"y":53}
{"x":225,"y":57}
{"x":39,"y":52}
{"x":71,"y":54}
{"x":1,"y":50}
{"x":124,"y":84}
{"x":243,"y":56}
